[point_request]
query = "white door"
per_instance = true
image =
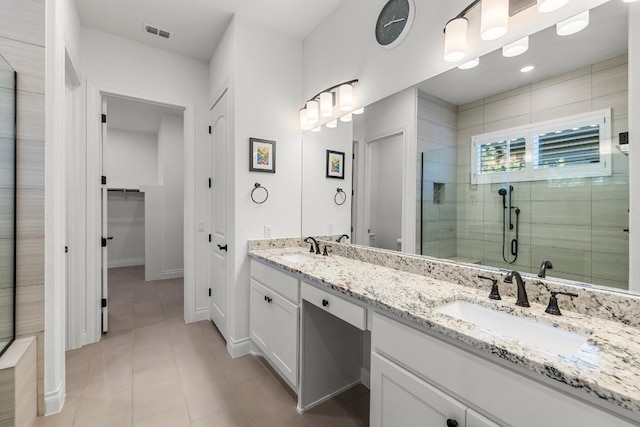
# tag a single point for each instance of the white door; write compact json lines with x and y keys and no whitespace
{"x":399,"y":398}
{"x":104,"y":192}
{"x":218,"y":209}
{"x":384,"y":192}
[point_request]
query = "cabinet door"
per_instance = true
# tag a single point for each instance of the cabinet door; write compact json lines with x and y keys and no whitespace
{"x":474,"y":419}
{"x":260,"y":315}
{"x":399,"y":398}
{"x":283,"y":344}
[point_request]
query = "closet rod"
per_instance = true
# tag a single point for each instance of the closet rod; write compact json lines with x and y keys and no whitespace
{"x":126,"y":190}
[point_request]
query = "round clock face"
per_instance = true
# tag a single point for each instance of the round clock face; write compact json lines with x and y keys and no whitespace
{"x":394,"y":22}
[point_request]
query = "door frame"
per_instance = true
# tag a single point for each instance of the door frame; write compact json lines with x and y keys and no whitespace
{"x":95,"y":92}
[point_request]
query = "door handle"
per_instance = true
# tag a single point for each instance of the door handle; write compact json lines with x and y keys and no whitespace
{"x":325,"y":303}
{"x":223,"y":248}
{"x":109,"y":237}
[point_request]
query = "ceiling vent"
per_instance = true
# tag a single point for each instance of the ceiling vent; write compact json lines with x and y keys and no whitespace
{"x":156,"y":31}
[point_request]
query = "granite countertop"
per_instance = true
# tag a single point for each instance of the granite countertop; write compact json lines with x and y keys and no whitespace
{"x":608,"y":366}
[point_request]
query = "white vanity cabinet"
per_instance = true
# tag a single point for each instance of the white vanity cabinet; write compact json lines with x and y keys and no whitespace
{"x":415,"y":376}
{"x":274,"y":318}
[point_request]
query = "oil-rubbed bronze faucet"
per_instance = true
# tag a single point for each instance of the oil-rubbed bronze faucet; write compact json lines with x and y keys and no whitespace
{"x":546,"y":265}
{"x":314,"y":244}
{"x":523,"y":300}
{"x":344,"y":236}
{"x":553,"y":308}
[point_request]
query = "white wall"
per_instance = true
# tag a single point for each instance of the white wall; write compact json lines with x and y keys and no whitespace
{"x":113,"y":62}
{"x":171,"y":176}
{"x":321,"y":215}
{"x":343,"y":47}
{"x":131,"y":158}
{"x":265,"y":78}
{"x":396,"y":114}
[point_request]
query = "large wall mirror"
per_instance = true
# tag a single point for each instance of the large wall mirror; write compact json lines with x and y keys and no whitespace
{"x":509,"y":168}
{"x":7,"y":203}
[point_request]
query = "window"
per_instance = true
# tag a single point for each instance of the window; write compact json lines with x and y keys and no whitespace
{"x":576,"y":146}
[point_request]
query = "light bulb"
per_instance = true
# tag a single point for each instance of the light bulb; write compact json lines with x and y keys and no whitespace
{"x":455,"y":40}
{"x":358,"y":111}
{"x":332,"y":124}
{"x":326,"y":104}
{"x":494,"y":19}
{"x":573,"y":24}
{"x":345,"y":95}
{"x":471,"y":64}
{"x":516,"y":48}
{"x":346,"y":118}
{"x":527,"y":68}
{"x":546,"y":6}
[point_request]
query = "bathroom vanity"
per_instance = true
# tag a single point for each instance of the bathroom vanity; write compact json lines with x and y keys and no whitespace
{"x":310,"y":315}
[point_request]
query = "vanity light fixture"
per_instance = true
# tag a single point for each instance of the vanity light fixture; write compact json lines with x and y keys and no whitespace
{"x":326,"y":104}
{"x":332,"y":124}
{"x":322,"y":105}
{"x":546,"y":6}
{"x":573,"y":24}
{"x":494,"y":19}
{"x":455,"y":39}
{"x":471,"y":64}
{"x":516,"y":48}
{"x":346,"y":118}
{"x":527,"y":68}
{"x":358,"y":111}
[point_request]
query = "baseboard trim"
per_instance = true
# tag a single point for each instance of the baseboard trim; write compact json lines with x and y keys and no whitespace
{"x":125,"y":262}
{"x":365,"y":377}
{"x":328,"y":397}
{"x":172,"y":274}
{"x":238,"y":348}
{"x":54,"y":400}
{"x":201,"y":314}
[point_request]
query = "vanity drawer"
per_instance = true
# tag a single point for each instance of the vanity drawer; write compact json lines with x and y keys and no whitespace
{"x":280,"y":282}
{"x":339,"y":307}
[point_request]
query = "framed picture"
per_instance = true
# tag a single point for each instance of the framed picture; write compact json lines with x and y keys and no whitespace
{"x":335,"y":164}
{"x":262,"y":155}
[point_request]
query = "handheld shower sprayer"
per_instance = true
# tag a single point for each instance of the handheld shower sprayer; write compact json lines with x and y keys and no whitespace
{"x":503,"y":192}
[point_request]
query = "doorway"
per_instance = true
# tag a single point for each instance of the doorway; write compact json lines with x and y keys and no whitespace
{"x":384,"y":194}
{"x":141,"y":207}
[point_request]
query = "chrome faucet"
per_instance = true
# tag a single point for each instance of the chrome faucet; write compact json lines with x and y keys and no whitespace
{"x":344,"y":236}
{"x":546,"y":265}
{"x":314,"y":244}
{"x":523,"y":300}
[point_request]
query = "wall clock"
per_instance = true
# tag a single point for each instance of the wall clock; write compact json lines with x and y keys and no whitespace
{"x":394,"y":22}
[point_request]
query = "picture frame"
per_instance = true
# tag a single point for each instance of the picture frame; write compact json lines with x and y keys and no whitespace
{"x":262,"y":155}
{"x":335,"y":164}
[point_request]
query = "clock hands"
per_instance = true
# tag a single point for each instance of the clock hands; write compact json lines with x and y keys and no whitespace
{"x":393,"y":21}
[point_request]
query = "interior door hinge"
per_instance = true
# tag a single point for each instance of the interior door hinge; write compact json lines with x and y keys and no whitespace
{"x":209,"y":130}
{"x":66,"y":249}
{"x":353,"y":156}
{"x":209,"y":182}
{"x":104,"y":302}
{"x":103,"y":242}
{"x":209,"y":238}
{"x":104,"y":118}
{"x":209,"y":291}
{"x":103,"y":180}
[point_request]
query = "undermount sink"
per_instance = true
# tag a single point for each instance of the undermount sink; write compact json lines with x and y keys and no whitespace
{"x":499,"y":323}
{"x":297,"y":257}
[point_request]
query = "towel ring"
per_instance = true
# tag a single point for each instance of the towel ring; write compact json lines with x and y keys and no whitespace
{"x":337,"y":197}
{"x":256,"y":187}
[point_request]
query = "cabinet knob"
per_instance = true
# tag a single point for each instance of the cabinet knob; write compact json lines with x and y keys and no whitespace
{"x":452,"y":423}
{"x":325,"y":303}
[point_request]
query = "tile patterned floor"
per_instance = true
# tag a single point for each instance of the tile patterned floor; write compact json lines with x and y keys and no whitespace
{"x":152,"y":369}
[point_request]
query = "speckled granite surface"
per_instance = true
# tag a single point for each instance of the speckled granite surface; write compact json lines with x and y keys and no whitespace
{"x":608,"y":366}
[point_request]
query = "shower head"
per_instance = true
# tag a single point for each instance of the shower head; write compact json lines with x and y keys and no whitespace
{"x":503,"y":193}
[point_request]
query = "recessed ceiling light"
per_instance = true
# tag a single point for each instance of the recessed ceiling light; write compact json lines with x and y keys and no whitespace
{"x":573,"y":25}
{"x":471,"y":64}
{"x":527,"y":68}
{"x":516,"y":48}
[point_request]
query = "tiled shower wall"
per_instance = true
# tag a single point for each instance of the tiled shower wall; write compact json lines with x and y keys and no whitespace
{"x":437,"y":139}
{"x":22,"y":41}
{"x":576,"y":223}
